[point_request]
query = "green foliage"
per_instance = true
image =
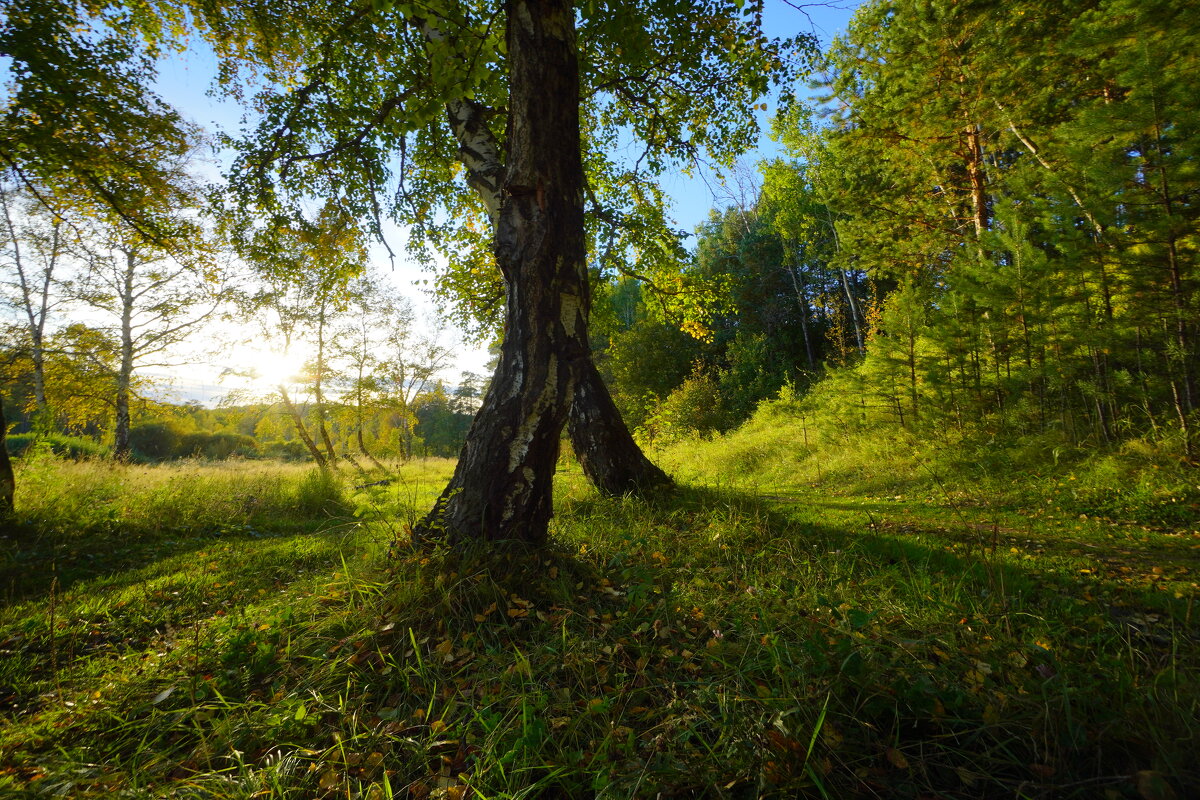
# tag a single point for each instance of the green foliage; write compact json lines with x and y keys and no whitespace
{"x":443,"y":422}
{"x":693,"y":409}
{"x":677,"y":78}
{"x":780,"y":314}
{"x":79,"y":123}
{"x":216,"y":446}
{"x":1047,"y":283}
{"x":163,"y":441}
{"x":647,"y":362}
{"x":284,"y":451}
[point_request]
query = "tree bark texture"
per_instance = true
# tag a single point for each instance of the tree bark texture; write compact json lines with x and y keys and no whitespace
{"x":606,"y":451}
{"x":501,"y":488}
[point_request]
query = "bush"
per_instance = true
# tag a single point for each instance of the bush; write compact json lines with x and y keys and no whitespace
{"x":216,"y":446}
{"x":695,"y":408}
{"x":285,"y":451}
{"x":155,"y":441}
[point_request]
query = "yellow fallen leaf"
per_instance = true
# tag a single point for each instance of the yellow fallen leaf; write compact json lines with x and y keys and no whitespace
{"x":896,"y":758}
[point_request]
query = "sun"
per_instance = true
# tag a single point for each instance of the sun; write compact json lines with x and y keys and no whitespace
{"x":266,"y":368}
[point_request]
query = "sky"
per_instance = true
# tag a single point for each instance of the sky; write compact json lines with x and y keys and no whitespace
{"x":185,"y":81}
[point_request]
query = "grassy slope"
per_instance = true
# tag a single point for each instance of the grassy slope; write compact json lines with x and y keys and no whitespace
{"x":894,"y":624}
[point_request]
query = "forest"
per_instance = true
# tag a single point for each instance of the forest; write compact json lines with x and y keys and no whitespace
{"x":881,"y":482}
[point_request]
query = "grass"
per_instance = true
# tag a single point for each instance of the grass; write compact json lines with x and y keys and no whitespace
{"x":785,"y":634}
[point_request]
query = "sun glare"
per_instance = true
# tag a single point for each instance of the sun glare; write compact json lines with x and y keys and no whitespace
{"x":269,"y":368}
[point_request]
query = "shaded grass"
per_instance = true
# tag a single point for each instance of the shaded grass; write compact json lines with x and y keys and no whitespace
{"x":720,"y":642}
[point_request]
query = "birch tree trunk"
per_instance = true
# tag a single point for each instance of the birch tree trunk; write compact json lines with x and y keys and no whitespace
{"x":121,"y":447}
{"x":301,"y":430}
{"x":501,"y":488}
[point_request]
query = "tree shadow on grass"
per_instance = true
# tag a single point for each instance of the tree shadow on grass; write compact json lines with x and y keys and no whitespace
{"x":35,"y":563}
{"x":920,"y":642}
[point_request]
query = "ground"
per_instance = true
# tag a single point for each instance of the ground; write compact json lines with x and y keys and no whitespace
{"x":203,"y":632}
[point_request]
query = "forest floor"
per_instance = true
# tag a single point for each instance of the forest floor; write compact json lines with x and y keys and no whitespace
{"x":261,"y":631}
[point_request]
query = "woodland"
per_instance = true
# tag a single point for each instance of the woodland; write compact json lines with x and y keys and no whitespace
{"x":882,"y":482}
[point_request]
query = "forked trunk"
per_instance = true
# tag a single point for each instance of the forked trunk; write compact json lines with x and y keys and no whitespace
{"x":606,"y":451}
{"x":501,"y":488}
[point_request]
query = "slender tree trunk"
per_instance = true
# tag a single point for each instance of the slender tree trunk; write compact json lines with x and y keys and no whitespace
{"x":318,"y":394}
{"x":837,"y":246}
{"x":8,"y":482}
{"x":502,"y":485}
{"x":801,"y":290}
{"x":606,"y":451}
{"x":362,"y":447}
{"x":125,"y":372}
{"x":978,"y":179}
{"x":858,"y":336}
{"x":1182,"y":390}
{"x":34,"y":314}
{"x":301,"y":430}
{"x":359,"y":421}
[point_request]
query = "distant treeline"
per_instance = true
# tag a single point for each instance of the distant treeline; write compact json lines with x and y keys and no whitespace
{"x":164,"y":432}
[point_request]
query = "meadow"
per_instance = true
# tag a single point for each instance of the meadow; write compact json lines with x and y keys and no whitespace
{"x":885,"y":619}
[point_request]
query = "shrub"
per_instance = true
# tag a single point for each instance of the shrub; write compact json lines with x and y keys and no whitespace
{"x":216,"y":446}
{"x":155,"y":441}
{"x":285,"y":451}
{"x":695,"y":408}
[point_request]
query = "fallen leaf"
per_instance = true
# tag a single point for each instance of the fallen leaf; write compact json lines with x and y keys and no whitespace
{"x":1153,"y":785}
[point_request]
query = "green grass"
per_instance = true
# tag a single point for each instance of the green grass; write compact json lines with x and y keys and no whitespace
{"x":761,"y":632}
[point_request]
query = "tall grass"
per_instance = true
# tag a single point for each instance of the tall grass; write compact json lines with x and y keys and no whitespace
{"x":94,"y":496}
